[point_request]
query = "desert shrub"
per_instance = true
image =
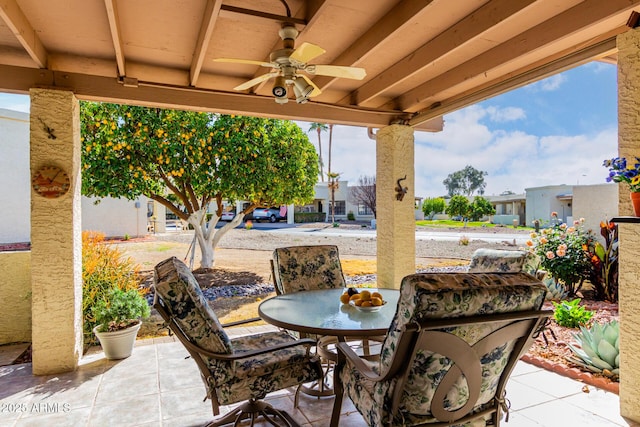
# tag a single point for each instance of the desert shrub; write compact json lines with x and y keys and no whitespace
{"x":103,"y":269}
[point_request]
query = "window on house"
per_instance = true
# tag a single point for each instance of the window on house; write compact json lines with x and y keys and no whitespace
{"x":364,"y":210}
{"x":341,"y":208}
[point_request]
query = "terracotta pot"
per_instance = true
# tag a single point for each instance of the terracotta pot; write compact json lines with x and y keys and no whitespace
{"x":635,"y":201}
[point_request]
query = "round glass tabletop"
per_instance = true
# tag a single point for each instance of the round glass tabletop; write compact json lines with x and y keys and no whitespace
{"x":321,"y":312}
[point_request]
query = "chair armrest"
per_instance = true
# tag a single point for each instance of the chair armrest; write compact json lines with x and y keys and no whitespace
{"x":236,"y":356}
{"x":359,"y":363}
{"x":241,"y":322}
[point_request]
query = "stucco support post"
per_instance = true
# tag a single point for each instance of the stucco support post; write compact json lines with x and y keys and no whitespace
{"x":395,"y":223}
{"x":56,"y":246}
{"x":629,"y":234}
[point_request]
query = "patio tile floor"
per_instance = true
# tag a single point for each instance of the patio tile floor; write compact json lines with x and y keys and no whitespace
{"x":159,"y":386}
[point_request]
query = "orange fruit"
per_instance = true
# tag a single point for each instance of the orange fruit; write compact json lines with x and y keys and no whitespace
{"x":355,"y":297}
{"x":344,"y":298}
{"x":376,"y":295}
{"x":366,"y":304}
{"x":365,"y":295}
{"x":358,"y":302}
{"x":375,"y":301}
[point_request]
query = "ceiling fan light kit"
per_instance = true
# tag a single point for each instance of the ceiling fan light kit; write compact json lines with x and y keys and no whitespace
{"x":289,"y":63}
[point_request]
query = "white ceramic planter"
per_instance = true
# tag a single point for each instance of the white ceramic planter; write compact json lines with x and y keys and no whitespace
{"x":119,"y":344}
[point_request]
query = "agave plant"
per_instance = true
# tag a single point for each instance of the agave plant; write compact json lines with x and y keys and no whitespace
{"x":555,"y":290}
{"x":598,"y":348}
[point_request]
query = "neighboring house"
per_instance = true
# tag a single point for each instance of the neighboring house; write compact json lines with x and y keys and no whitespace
{"x":509,"y":207}
{"x":594,"y":203}
{"x":114,"y":217}
{"x":343,"y":200}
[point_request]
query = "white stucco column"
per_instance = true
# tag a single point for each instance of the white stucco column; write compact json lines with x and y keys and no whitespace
{"x":396,"y":227}
{"x":629,"y":234}
{"x":56,"y":247}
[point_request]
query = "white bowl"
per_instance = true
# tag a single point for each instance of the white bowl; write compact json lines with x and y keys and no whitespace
{"x":367,"y":309}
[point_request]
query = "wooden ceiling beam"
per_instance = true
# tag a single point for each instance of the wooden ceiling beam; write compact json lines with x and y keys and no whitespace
{"x":21,"y":28}
{"x":457,"y":35}
{"x":109,"y":89}
{"x":116,"y":37}
{"x":204,"y":38}
{"x":552,"y":30}
{"x":545,"y":68}
{"x":396,"y":19}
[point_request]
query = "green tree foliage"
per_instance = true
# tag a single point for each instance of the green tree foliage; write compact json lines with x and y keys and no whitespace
{"x":479,"y":208}
{"x":432,"y":206}
{"x":465,"y":182}
{"x":187,"y":160}
{"x":458,"y":206}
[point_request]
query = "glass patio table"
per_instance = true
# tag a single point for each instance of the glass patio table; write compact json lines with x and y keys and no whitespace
{"x":320,"y":312}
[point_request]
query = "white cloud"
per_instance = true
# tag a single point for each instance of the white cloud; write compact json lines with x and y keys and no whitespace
{"x":549,"y":84}
{"x":508,"y":114}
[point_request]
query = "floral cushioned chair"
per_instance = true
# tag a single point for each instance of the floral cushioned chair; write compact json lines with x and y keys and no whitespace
{"x":301,"y":268}
{"x":304,"y":268}
{"x":500,"y":261}
{"x":448,"y":353}
{"x":233,"y":370}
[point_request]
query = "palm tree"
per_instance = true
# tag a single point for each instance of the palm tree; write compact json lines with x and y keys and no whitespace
{"x":330,"y":140}
{"x":333,"y":185}
{"x":319,"y":127}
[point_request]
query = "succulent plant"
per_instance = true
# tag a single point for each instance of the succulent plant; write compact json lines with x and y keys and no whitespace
{"x":555,"y":290}
{"x":598,"y":348}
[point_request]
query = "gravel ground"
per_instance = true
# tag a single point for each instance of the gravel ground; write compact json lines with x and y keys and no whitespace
{"x":366,"y":246}
{"x":259,"y":240}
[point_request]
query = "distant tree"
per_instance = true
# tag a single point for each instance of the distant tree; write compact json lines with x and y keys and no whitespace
{"x":432,"y":206}
{"x":458,"y":206}
{"x":189,"y":161}
{"x":319,"y":128}
{"x":465,"y":181}
{"x":365,"y":193}
{"x":333,"y":185}
{"x":479,"y":208}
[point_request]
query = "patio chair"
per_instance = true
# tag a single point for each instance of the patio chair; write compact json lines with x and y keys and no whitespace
{"x":233,"y":370}
{"x":303,"y":268}
{"x":448,"y":353}
{"x":499,"y":261}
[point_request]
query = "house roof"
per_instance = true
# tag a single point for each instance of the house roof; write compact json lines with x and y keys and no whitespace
{"x":423,"y":58}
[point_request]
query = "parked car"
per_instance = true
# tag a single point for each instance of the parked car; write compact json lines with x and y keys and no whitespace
{"x":227,"y":215}
{"x":271,"y":214}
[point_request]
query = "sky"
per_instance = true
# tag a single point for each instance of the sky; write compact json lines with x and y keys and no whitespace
{"x":554,"y":131}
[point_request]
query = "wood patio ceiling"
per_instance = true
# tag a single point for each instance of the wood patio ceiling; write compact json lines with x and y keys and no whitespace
{"x":423,"y":58}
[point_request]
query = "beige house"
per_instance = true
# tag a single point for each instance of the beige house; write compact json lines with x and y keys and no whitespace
{"x":421,"y":60}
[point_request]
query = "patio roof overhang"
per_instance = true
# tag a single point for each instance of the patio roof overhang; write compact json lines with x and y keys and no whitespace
{"x":423,"y":58}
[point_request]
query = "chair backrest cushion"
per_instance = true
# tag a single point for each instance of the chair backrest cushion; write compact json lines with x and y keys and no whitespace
{"x":301,"y":268}
{"x":497,"y":261}
{"x":453,"y":295}
{"x":184,"y":299}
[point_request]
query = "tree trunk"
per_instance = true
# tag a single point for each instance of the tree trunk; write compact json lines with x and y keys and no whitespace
{"x":320,"y":155}
{"x":207,"y":236}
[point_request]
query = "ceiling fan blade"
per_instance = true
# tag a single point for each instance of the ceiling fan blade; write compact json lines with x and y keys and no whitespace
{"x":316,"y":89}
{"x":245,"y":61}
{"x":253,"y":82}
{"x":355,"y":73}
{"x":306,"y":52}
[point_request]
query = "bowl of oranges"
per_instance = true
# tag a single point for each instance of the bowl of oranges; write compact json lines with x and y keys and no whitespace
{"x":364,"y":300}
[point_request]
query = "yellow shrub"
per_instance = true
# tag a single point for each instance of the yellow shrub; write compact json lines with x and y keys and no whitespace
{"x":103,"y":268}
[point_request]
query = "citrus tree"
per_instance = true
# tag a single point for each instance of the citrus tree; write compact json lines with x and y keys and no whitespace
{"x":191,"y":162}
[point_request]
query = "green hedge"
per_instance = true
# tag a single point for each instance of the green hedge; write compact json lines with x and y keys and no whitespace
{"x":309,"y":217}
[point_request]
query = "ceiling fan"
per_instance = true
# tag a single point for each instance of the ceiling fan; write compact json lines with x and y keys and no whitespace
{"x":287,"y":64}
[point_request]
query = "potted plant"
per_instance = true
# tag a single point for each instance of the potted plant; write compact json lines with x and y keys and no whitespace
{"x":620,"y":170}
{"x":118,"y":318}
